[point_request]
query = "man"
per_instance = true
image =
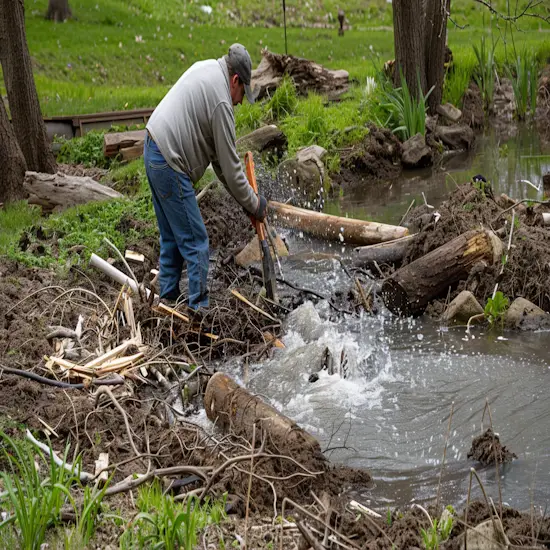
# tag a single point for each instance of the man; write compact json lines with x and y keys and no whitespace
{"x":194,"y":126}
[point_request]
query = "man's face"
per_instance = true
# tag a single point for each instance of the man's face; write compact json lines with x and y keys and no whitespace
{"x":237,"y":90}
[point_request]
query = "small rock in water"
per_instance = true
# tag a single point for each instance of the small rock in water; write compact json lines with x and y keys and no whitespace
{"x":313,"y":377}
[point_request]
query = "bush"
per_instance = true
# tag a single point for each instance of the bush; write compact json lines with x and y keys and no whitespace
{"x":283,"y":102}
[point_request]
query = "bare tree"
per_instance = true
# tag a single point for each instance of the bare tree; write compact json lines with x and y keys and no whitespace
{"x":58,"y":10}
{"x":11,"y":160}
{"x":27,"y":120}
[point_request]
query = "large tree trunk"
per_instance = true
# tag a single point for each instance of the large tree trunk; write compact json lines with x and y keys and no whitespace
{"x":436,"y":34}
{"x":409,"y":290}
{"x":12,"y":162}
{"x":408,"y":37}
{"x":22,"y":97}
{"x":58,"y":10}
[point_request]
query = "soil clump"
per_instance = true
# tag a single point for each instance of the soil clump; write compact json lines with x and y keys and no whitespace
{"x":487,"y":449}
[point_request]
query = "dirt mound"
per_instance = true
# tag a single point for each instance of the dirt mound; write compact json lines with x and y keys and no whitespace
{"x":376,"y":158}
{"x":487,"y":449}
{"x":473,"y":113}
{"x":469,"y":207}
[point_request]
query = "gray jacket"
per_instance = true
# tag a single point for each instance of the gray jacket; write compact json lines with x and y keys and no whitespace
{"x":194,"y":126}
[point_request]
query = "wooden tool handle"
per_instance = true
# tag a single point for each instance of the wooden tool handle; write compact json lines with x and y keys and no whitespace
{"x":251,"y":175}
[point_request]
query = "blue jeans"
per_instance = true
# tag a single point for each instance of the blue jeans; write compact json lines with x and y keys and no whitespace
{"x":183,"y":235}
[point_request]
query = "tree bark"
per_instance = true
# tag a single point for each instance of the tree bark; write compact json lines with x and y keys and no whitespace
{"x":233,"y":408}
{"x":22,"y":97}
{"x":326,"y":226}
{"x":58,"y":10}
{"x":389,"y":252}
{"x":409,"y":290}
{"x":12,"y":162}
{"x":408,"y":36}
{"x":435,"y":41}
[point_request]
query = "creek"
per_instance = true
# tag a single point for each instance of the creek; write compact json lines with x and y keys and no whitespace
{"x":391,"y":414}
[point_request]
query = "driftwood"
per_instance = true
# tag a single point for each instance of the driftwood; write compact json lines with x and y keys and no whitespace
{"x":409,"y":290}
{"x":306,"y":75}
{"x":326,"y":226}
{"x":389,"y":252}
{"x":266,"y":138}
{"x":115,"y":143}
{"x":57,"y":191}
{"x":232,"y":407}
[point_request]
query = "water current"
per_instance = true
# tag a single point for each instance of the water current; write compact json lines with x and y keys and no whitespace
{"x":391,"y":415}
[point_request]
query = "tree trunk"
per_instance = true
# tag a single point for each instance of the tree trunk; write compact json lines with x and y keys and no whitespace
{"x":22,"y":97}
{"x":12,"y":161}
{"x":326,"y":226}
{"x":58,"y":10}
{"x":408,"y":36}
{"x":436,"y":35}
{"x":409,"y":290}
{"x":389,"y":252}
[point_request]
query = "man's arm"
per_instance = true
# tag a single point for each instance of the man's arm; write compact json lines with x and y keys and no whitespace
{"x":228,"y":166}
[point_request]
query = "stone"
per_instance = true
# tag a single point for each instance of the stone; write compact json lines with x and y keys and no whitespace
{"x":267,"y":139}
{"x":416,"y":153}
{"x":455,"y":137}
{"x":524,"y":315}
{"x":450,"y":112}
{"x":462,"y":308}
{"x":485,"y":537}
{"x":305,"y":175}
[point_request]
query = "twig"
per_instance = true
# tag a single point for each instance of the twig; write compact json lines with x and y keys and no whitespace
{"x":240,"y":297}
{"x":308,"y":535}
{"x":83,"y":476}
{"x":122,"y":412}
{"x":407,"y":212}
{"x":32,"y":376}
{"x":363,"y":295}
{"x":518,"y":203}
{"x":249,"y":487}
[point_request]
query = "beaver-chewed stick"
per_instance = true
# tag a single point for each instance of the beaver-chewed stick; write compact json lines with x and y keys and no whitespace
{"x":409,"y":290}
{"x":327,"y":226}
{"x":232,"y":407}
{"x":389,"y":252}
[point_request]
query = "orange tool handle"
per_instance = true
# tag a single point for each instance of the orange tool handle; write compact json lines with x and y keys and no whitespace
{"x":251,"y":175}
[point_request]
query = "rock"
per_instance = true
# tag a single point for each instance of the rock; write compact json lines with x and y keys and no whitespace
{"x":455,"y":137}
{"x":450,"y":112}
{"x":504,"y":100}
{"x":462,"y":308}
{"x":416,"y":153}
{"x":268,"y":139}
{"x":546,"y":184}
{"x":525,"y":315}
{"x":306,"y":322}
{"x":305,"y":175}
{"x":485,"y":537}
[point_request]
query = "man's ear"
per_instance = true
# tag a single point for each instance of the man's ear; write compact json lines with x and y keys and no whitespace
{"x":235,"y":79}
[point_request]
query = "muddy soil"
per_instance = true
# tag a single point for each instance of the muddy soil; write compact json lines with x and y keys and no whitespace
{"x":487,"y":449}
{"x":528,"y":266}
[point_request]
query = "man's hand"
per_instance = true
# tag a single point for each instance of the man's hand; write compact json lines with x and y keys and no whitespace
{"x":261,"y":211}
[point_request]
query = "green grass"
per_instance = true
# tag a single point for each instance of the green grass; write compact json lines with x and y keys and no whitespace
{"x":15,"y":218}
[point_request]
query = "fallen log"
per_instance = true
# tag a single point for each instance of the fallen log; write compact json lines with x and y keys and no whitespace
{"x":232,"y":407}
{"x":114,"y":142}
{"x":409,"y":290}
{"x":58,"y":191}
{"x":389,"y":252}
{"x":327,"y":226}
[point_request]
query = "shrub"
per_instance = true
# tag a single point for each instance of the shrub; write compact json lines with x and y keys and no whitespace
{"x":283,"y":102}
{"x":86,"y":150}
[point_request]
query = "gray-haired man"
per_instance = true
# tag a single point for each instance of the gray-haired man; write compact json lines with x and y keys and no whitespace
{"x":194,"y":126}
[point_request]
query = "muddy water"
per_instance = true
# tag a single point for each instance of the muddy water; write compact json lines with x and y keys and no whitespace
{"x":392,"y":414}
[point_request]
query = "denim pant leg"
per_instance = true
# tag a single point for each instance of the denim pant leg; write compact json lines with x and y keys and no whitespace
{"x":176,"y":199}
{"x":171,"y":260}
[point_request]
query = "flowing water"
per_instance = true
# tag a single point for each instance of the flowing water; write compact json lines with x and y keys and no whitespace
{"x":391,"y":415}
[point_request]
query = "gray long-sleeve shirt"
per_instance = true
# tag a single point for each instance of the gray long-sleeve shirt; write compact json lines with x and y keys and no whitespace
{"x":194,"y":126}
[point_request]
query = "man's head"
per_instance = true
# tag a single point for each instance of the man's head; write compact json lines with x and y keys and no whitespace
{"x":239,"y":65}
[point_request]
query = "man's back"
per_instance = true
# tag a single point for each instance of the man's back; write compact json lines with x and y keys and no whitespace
{"x":181,"y":125}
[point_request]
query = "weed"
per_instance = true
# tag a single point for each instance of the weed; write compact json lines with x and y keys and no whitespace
{"x":524,"y":76}
{"x":455,"y":85}
{"x":164,"y":523}
{"x":388,"y":517}
{"x":496,"y":308}
{"x":468,"y":207}
{"x":407,"y":113}
{"x":484,"y":75}
{"x":283,"y":102}
{"x":86,"y":150}
{"x":15,"y":217}
{"x":248,"y":117}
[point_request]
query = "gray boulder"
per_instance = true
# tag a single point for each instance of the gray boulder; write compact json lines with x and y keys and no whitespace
{"x":524,"y":315}
{"x":455,"y":137}
{"x":462,"y":308}
{"x":450,"y":112}
{"x":416,"y":153}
